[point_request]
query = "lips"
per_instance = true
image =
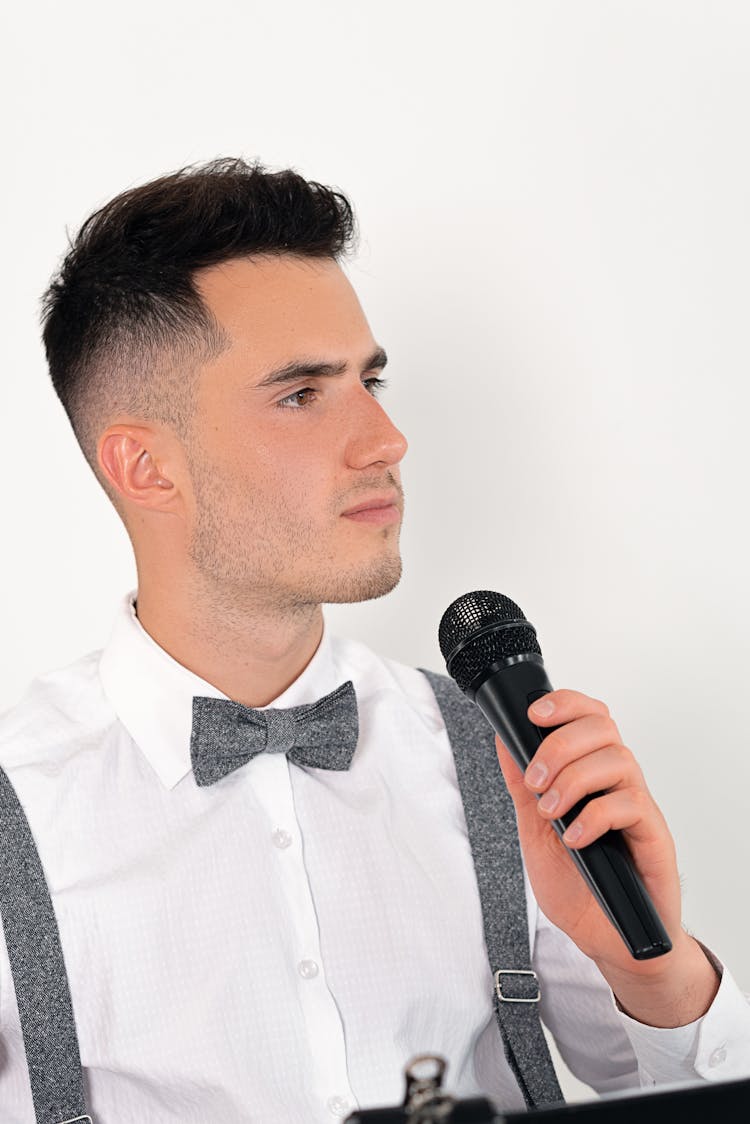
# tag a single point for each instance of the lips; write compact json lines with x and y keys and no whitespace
{"x":373,"y":504}
{"x":377,"y":511}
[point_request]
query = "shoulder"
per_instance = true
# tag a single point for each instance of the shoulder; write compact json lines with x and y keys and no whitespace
{"x":59,"y":712}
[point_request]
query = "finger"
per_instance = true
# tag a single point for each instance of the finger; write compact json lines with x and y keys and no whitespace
{"x":522,"y":797}
{"x":564,"y":706}
{"x":608,"y":769}
{"x":631,"y":810}
{"x":560,"y":748}
{"x":532,"y":829}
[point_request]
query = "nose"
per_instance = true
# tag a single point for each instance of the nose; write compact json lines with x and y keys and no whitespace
{"x":374,"y":438}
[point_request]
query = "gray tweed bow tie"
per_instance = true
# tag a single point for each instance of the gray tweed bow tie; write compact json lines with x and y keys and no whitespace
{"x":227,"y":734}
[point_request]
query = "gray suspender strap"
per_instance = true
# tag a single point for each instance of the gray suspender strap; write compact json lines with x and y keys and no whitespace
{"x":491,"y":824}
{"x":39,"y":976}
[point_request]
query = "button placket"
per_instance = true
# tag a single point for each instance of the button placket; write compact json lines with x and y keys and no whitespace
{"x":323,"y":1028}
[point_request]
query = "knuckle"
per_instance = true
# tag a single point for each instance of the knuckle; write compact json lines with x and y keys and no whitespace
{"x":595,"y":818}
{"x":556,"y":750}
{"x":554,"y":742}
{"x":621,"y":754}
{"x":641,"y":799}
{"x":610,"y":727}
{"x":572,"y":782}
{"x":601,"y":708}
{"x":629,"y":767}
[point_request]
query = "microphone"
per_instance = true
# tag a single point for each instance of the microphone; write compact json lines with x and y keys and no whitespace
{"x":492,"y":653}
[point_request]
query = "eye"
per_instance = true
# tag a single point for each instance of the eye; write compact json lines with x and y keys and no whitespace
{"x":297,"y":401}
{"x":307,"y":396}
{"x":375,"y":385}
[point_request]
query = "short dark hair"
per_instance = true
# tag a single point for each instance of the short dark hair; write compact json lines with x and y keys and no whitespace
{"x":123,"y":321}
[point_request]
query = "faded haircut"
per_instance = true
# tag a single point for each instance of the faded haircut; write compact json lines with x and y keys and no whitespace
{"x":124,"y":327}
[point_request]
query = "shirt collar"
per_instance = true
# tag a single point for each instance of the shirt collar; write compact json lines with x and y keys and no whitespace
{"x":152,"y":694}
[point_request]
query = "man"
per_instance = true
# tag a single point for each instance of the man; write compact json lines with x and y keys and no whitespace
{"x":262,"y":937}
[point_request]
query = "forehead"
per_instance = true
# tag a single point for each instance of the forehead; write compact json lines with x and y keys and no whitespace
{"x":274,"y":304}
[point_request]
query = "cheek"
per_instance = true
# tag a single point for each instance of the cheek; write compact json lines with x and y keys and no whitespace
{"x":293,"y":462}
{"x":291,"y":476}
{"x":309,"y":449}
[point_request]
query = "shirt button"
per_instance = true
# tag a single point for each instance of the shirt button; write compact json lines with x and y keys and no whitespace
{"x":339,"y":1106}
{"x":718,"y":1056}
{"x":281,"y":838}
{"x":308,"y":969}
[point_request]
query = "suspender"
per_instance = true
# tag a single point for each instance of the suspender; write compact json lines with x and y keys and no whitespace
{"x":38,"y":968}
{"x":491,"y":823}
{"x":41,"y":982}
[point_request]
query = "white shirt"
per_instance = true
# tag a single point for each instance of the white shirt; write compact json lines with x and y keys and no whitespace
{"x":275,"y":947}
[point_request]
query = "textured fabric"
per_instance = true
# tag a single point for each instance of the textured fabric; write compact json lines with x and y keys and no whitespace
{"x":38,"y":968}
{"x":491,"y":823}
{"x":226,"y":735}
{"x":275,"y":947}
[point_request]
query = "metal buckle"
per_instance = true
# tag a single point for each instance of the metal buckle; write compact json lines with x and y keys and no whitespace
{"x":515,"y":972}
{"x":77,"y":1120}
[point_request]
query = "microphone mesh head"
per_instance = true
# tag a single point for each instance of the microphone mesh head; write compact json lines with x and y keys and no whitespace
{"x":498,"y":628}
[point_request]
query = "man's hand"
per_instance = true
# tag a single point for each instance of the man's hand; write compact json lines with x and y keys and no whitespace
{"x":586,"y":756}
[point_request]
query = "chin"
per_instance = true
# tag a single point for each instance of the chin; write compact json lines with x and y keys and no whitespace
{"x":366,"y":584}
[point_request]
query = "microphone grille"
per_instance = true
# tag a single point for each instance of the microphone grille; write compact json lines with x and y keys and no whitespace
{"x":480,"y":629}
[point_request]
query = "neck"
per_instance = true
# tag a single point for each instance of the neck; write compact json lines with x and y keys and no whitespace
{"x":251,"y":651}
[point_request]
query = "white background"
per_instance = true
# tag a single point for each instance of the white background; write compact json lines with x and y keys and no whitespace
{"x":553,"y":199}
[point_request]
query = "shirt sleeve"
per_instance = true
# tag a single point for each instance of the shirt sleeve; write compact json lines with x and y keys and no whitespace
{"x":715,"y":1047}
{"x":609,"y":1050}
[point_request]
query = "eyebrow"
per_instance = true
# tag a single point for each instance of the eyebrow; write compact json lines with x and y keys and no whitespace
{"x":308,"y":368}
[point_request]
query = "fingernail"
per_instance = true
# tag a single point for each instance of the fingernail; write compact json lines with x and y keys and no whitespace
{"x":550,"y":800}
{"x":536,"y":775}
{"x":574,"y":832}
{"x":543,"y":708}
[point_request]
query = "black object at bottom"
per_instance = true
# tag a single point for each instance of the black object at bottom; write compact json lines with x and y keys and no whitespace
{"x":476,"y":1110}
{"x":725,"y":1101}
{"x":606,"y":865}
{"x":426,"y":1102}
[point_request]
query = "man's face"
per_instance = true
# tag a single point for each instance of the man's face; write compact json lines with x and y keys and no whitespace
{"x":275,"y":465}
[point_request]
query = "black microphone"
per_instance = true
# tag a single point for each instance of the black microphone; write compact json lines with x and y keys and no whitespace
{"x":492,"y":652}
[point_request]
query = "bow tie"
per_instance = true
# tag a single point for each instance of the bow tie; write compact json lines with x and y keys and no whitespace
{"x":226,"y":734}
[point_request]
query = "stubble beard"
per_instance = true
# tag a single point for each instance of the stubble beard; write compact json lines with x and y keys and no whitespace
{"x":237,"y":576}
{"x":375,"y":579}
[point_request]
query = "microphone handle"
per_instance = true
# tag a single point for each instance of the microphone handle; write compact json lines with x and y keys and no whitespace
{"x":606,"y":865}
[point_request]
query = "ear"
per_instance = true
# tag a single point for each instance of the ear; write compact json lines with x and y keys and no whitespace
{"x":129,"y":459}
